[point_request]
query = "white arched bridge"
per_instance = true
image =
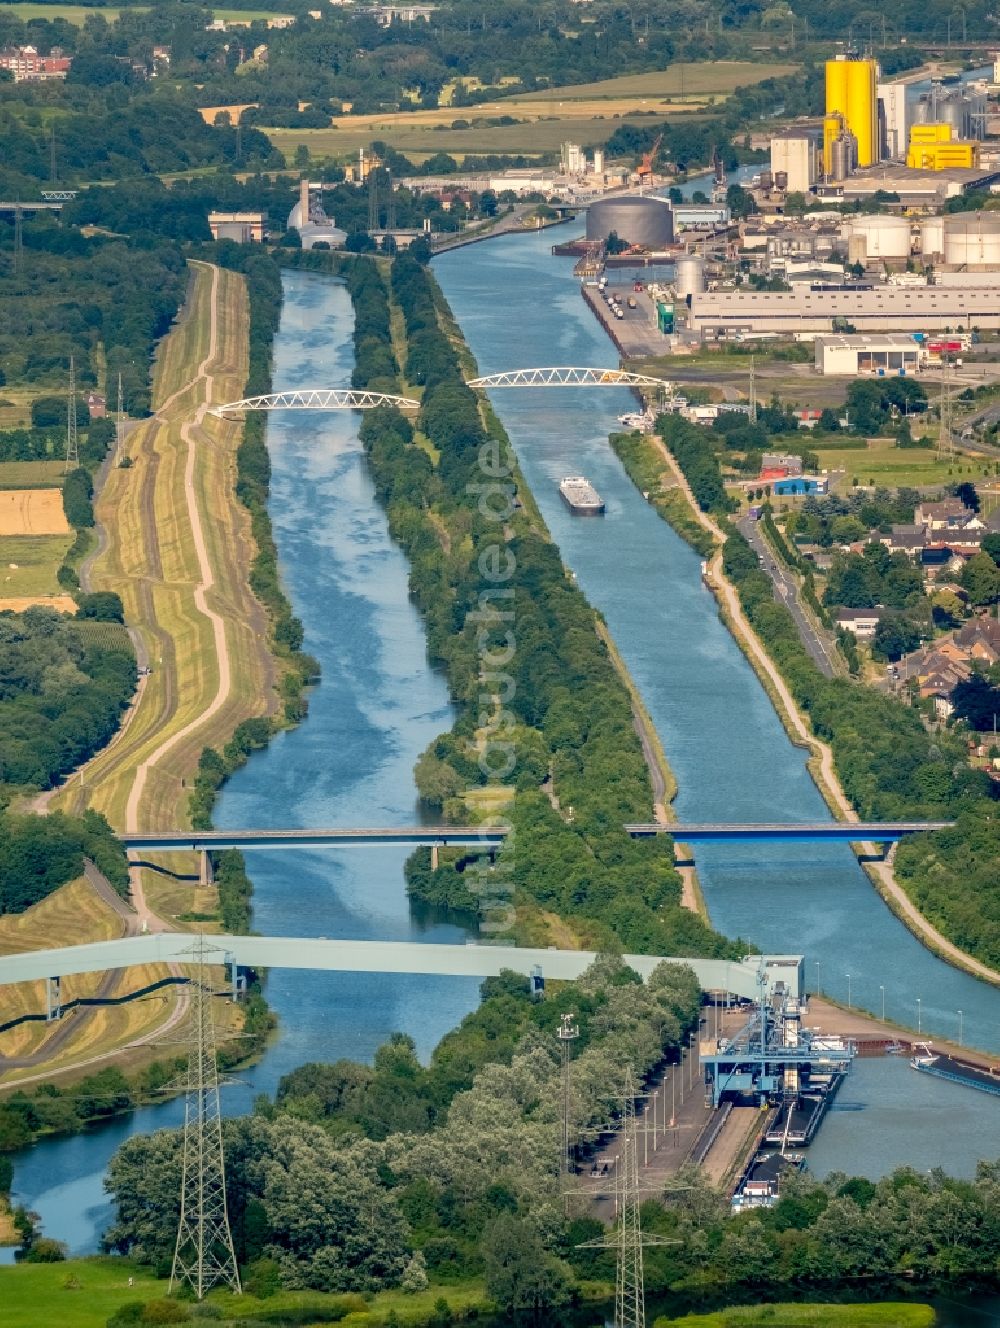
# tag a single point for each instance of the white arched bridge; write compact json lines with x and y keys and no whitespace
{"x":317,"y":398}
{"x":569,"y":377}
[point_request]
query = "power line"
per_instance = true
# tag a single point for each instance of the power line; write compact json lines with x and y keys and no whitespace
{"x":204,"y":1255}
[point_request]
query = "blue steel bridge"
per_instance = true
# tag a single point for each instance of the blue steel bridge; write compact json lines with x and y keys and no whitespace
{"x":486,"y":836}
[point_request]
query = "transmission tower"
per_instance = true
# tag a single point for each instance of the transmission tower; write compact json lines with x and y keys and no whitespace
{"x":628,"y":1240}
{"x":72,"y":442}
{"x":18,"y":239}
{"x":390,"y":203}
{"x":567,"y":1033}
{"x":53,"y":176}
{"x":374,"y":211}
{"x":753,"y":392}
{"x":119,"y":420}
{"x":945,"y":440}
{"x":204,"y":1254}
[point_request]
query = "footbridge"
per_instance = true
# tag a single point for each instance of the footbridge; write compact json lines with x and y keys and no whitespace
{"x":570,"y":377}
{"x":740,"y":977}
{"x":492,"y":836}
{"x":317,"y":398}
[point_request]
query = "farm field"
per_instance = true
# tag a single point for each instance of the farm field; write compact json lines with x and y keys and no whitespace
{"x":32,"y":512}
{"x":31,"y":474}
{"x":586,"y":113}
{"x":76,"y":14}
{"x":28,"y":564}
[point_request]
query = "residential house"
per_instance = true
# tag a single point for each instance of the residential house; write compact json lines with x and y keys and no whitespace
{"x":97,"y":405}
{"x":861,"y":622}
{"x":28,"y":66}
{"x":908,"y":539}
{"x":949,"y":521}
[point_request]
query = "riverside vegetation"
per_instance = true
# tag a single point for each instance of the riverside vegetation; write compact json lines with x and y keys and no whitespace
{"x":890,"y":765}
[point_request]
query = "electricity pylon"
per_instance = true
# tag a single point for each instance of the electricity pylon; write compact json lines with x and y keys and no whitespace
{"x":753,"y":392}
{"x":72,"y":442}
{"x":204,"y":1255}
{"x":119,"y":421}
{"x":628,"y":1240}
{"x":945,"y":437}
{"x":567,"y":1032}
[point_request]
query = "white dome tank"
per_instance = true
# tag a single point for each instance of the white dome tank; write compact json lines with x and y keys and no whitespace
{"x":972,"y":239}
{"x":932,"y":236}
{"x":885,"y":237}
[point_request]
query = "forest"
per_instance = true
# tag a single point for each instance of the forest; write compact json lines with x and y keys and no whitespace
{"x":63,"y":688}
{"x":555,"y":721}
{"x":38,"y":854}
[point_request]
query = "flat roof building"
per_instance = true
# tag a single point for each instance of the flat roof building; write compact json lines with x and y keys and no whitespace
{"x":243,"y":227}
{"x":729,"y":313}
{"x":859,"y":354}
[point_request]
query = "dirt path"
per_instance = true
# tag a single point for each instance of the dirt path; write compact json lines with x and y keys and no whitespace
{"x":821,"y":765}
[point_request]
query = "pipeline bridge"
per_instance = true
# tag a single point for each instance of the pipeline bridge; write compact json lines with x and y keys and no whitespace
{"x":492,"y":836}
{"x":317,"y":398}
{"x":739,"y":977}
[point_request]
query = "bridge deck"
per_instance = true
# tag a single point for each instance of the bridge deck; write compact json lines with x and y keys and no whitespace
{"x":304,"y":952}
{"x":486,"y":836}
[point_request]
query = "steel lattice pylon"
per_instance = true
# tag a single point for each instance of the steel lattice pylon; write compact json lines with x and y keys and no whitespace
{"x":204,"y":1254}
{"x":630,"y":1295}
{"x":72,"y":442}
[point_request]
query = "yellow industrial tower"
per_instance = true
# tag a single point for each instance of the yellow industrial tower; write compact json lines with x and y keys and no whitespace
{"x":850,"y":93}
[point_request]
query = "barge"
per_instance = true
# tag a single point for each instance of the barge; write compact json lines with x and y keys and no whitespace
{"x":580,"y":496}
{"x":985,"y":1078}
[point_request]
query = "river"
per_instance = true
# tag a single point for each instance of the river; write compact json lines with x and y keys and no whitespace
{"x":351,"y":761}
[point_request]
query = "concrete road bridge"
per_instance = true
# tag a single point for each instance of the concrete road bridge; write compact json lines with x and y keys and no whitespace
{"x":739,"y":977}
{"x":317,"y":398}
{"x":490,"y":837}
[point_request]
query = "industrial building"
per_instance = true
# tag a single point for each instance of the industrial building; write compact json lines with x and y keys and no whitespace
{"x":243,"y":227}
{"x":739,"y":313}
{"x":646,"y":222}
{"x":795,"y":159}
{"x":858,"y":354}
{"x":894,"y":120}
{"x":313,"y":225}
{"x":851,"y":112}
{"x":934,"y":147}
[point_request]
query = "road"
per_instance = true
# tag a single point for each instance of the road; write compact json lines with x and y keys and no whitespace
{"x":820,"y":646}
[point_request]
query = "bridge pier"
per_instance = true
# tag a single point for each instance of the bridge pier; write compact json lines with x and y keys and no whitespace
{"x":206,"y":876}
{"x":435,"y":857}
{"x":53,"y":999}
{"x":237,"y":985}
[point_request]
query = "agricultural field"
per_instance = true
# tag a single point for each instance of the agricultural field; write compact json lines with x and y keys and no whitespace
{"x":588,"y":113}
{"x":32,"y":512}
{"x":31,"y":474}
{"x":28,"y":565}
{"x":77,"y":14}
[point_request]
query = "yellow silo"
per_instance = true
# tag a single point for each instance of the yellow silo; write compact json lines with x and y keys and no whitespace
{"x":850,"y":91}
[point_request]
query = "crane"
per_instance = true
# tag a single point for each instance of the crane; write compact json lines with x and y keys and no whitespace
{"x":645,"y":167}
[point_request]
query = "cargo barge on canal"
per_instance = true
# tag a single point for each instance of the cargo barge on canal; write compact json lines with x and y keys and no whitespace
{"x":580,"y":496}
{"x":927,"y":1061}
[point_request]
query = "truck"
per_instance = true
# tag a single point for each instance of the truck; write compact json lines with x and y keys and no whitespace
{"x":631,"y":301}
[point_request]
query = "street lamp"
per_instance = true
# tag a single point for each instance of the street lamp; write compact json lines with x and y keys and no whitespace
{"x":919,"y":1027}
{"x":960,"y":1019}
{"x":848,"y":977}
{"x":882,"y":990}
{"x":817,"y":977}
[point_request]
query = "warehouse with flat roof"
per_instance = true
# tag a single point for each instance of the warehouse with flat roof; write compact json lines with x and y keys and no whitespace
{"x":730,"y":313}
{"x":860,"y":354}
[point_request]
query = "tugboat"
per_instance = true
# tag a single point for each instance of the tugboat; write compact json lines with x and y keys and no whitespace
{"x":580,"y":496}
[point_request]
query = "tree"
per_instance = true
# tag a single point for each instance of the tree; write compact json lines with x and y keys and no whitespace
{"x":991,"y":545}
{"x":966,"y":493}
{"x":521,"y":1275}
{"x":977,"y":702}
{"x":101,"y":606}
{"x":894,"y":637}
{"x":981,"y":580}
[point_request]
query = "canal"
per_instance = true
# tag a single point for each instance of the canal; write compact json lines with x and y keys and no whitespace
{"x":351,"y":761}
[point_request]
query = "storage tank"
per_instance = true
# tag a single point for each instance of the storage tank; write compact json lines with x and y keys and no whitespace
{"x":841,"y":157}
{"x":645,"y":221}
{"x":689,"y":276}
{"x":972,"y":239}
{"x":885,"y":237}
{"x":932,"y":236}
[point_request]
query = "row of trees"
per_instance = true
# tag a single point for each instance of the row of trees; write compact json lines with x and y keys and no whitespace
{"x":38,"y":854}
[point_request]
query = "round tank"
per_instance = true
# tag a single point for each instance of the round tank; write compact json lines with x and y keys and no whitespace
{"x":644,"y":221}
{"x":862,"y":119}
{"x":841,"y":158}
{"x":951,"y":112}
{"x":921,"y":113}
{"x":932,"y":236}
{"x":689,"y":276}
{"x":885,"y":237}
{"x":972,"y":239}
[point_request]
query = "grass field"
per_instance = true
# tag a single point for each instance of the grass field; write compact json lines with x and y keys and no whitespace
{"x":883,"y":463}
{"x":586,"y":113}
{"x":31,"y":474}
{"x":810,"y":1316}
{"x":28,"y":564}
{"x":78,"y":13}
{"x":32,"y":512}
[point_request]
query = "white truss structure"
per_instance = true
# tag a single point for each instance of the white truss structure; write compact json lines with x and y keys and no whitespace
{"x":317,"y":398}
{"x":569,"y":377}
